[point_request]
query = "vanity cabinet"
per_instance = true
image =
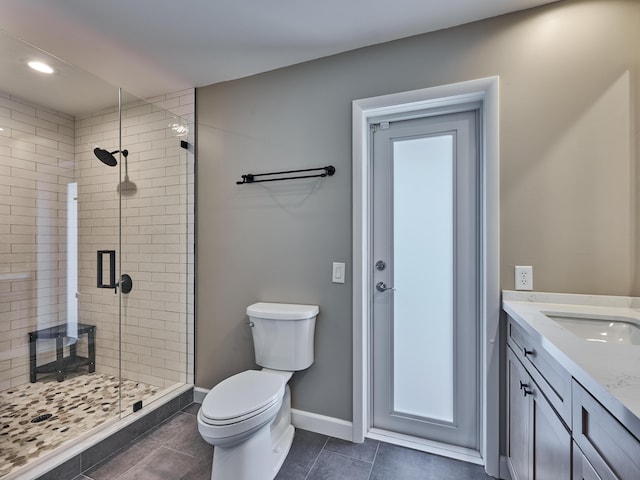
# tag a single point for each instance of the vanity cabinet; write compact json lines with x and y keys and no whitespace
{"x":608,"y":447}
{"x":556,"y":428}
{"x":539,"y":443}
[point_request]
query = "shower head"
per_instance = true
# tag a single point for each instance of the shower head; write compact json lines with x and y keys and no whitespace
{"x":107,"y":157}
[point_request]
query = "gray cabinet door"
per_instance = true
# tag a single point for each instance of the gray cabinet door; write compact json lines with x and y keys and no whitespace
{"x":551,"y":441}
{"x":519,"y":432}
{"x":538,"y":443}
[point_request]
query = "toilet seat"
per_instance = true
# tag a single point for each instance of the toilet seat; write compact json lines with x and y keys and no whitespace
{"x":242,"y":396}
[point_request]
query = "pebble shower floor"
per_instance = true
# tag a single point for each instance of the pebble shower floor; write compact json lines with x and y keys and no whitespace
{"x":38,"y":417}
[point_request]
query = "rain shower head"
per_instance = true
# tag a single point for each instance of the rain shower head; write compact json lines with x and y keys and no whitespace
{"x":107,"y":157}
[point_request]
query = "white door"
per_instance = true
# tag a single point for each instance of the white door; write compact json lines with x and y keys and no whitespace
{"x":425,"y":278}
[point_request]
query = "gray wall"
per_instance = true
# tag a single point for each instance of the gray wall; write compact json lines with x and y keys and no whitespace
{"x":569,"y":115}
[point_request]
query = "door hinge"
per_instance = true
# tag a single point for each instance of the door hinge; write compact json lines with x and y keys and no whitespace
{"x":380,"y":126}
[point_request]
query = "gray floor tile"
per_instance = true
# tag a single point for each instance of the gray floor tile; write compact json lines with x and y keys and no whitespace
{"x":365,"y":451}
{"x":122,"y":461}
{"x":333,"y":466}
{"x":457,"y":469}
{"x":180,"y":433}
{"x":166,"y":464}
{"x":191,"y":409}
{"x":398,"y":463}
{"x":304,"y":451}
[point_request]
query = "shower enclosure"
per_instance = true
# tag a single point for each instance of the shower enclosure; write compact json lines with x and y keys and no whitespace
{"x":96,"y":257}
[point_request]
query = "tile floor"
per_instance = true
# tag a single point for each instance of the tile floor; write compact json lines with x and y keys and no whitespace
{"x":174,"y":450}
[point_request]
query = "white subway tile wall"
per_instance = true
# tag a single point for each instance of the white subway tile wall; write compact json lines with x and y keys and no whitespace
{"x":36,"y":164}
{"x":40,"y":152}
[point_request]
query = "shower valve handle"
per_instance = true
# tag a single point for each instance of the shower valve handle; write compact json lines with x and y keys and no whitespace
{"x":125,"y":283}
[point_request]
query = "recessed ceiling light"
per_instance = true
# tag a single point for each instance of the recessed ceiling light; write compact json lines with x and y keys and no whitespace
{"x":40,"y":67}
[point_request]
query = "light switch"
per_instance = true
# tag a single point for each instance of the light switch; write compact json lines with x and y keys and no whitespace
{"x":338,"y":272}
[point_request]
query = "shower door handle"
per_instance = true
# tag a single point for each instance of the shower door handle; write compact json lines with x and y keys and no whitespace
{"x":125,"y":283}
{"x":112,"y":269}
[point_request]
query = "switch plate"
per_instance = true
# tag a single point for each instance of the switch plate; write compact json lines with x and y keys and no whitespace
{"x":338,"y":272}
{"x":524,"y":277}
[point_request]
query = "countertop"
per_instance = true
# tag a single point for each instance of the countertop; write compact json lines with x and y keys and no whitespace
{"x":610,"y":372}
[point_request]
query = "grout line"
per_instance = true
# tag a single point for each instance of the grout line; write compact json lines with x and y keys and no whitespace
{"x":316,"y":459}
{"x":348,"y":456}
{"x":375,"y":455}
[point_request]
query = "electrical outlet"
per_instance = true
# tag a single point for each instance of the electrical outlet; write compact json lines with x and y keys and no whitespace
{"x":524,"y":277}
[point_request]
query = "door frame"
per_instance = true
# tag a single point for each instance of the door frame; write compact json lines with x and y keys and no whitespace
{"x":418,"y":103}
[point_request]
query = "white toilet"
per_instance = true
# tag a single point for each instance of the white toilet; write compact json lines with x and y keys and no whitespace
{"x":247,"y":417}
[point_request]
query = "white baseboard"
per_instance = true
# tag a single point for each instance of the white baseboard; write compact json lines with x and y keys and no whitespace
{"x":504,"y":468}
{"x":334,"y":427}
{"x":199,"y":394}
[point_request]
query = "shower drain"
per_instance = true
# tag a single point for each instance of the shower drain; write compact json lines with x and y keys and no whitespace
{"x":42,"y":418}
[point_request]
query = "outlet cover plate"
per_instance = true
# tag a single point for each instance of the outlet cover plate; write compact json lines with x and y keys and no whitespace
{"x":524,"y":277}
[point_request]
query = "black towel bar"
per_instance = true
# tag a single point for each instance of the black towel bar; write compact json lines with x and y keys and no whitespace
{"x":251,"y":177}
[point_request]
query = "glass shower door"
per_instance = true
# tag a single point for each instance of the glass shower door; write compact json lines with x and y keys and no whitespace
{"x":156,"y":212}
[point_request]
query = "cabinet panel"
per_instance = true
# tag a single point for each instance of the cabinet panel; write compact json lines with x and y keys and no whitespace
{"x":551,"y":442}
{"x":547,"y":372}
{"x":518,"y":443}
{"x":611,"y":449}
{"x":582,"y":469}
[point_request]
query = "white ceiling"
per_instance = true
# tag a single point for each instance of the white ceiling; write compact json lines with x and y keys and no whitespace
{"x":159,"y":46}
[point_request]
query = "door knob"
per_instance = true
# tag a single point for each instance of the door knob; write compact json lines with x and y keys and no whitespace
{"x":382,"y":287}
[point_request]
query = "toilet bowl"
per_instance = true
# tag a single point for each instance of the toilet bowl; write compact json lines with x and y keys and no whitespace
{"x":247,"y":417}
{"x":240,"y":405}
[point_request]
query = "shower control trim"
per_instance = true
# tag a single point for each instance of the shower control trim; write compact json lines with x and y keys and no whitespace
{"x":125,"y":283}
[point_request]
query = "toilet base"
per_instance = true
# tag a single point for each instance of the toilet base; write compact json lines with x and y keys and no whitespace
{"x":255,"y":459}
{"x":281,"y":449}
{"x":261,"y":455}
{"x":249,"y":460}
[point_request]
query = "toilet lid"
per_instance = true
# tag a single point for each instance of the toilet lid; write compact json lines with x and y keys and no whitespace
{"x":242,"y":394}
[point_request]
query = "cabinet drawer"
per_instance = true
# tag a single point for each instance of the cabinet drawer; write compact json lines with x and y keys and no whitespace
{"x":611,"y":449}
{"x":582,"y":469}
{"x":552,"y":378}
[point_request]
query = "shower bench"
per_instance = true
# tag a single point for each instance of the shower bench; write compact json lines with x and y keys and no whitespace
{"x":62,"y":364}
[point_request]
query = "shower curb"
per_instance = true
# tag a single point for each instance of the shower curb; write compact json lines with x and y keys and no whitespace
{"x":106,"y":447}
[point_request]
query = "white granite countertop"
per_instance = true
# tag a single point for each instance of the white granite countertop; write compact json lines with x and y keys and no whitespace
{"x":610,"y":372}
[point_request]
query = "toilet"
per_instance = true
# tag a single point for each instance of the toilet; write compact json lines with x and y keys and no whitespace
{"x":247,"y":417}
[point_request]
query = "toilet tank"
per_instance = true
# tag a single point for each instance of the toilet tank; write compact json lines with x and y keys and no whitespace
{"x":283,"y":334}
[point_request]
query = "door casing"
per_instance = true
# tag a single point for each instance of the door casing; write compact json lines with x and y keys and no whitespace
{"x":414,"y":104}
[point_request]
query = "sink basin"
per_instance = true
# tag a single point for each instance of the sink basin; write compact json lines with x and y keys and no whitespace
{"x":600,"y":329}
